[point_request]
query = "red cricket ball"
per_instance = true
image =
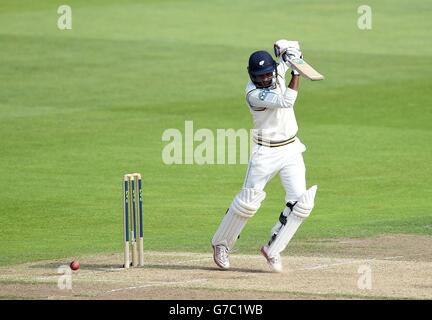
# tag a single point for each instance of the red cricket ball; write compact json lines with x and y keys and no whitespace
{"x":74,"y":265}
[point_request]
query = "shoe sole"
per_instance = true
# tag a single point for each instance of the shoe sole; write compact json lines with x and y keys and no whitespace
{"x":264,"y":254}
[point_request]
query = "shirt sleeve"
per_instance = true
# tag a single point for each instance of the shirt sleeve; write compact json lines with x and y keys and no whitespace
{"x":263,"y":98}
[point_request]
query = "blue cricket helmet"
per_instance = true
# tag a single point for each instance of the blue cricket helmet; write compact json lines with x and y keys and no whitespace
{"x":261,"y":63}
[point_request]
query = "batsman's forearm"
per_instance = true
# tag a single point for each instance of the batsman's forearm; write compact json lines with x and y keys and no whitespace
{"x":294,"y":83}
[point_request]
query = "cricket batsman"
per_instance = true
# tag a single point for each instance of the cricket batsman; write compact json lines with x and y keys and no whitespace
{"x":277,"y":150}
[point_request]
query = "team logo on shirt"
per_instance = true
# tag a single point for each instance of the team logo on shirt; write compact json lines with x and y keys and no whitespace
{"x":263,"y":94}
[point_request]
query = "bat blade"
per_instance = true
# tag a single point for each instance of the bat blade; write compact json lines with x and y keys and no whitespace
{"x":305,"y":69}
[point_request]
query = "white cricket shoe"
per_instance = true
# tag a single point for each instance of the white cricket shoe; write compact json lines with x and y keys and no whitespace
{"x":220,"y":256}
{"x":274,"y":262}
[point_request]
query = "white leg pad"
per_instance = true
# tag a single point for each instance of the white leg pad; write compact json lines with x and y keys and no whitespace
{"x":283,"y":233}
{"x":243,"y":207}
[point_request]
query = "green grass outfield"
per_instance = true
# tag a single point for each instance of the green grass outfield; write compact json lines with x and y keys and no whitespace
{"x":80,"y":108}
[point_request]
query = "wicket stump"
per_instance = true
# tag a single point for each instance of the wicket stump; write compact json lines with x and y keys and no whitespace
{"x":132,"y":224}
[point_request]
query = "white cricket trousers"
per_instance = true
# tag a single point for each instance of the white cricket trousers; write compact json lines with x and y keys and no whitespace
{"x":286,"y":161}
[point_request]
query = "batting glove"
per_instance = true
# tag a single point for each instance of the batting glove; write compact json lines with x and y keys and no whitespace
{"x":282,"y":45}
{"x":292,"y":53}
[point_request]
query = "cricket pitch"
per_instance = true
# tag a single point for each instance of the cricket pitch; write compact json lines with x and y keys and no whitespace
{"x":335,"y":273}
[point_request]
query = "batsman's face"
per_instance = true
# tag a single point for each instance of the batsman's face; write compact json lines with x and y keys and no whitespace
{"x":265,"y":80}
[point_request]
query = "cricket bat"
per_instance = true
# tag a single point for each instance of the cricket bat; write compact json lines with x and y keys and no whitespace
{"x":305,"y":69}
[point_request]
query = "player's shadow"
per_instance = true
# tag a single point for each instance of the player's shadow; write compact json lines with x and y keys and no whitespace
{"x":92,"y":267}
{"x":197,"y":267}
{"x":115,"y":267}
